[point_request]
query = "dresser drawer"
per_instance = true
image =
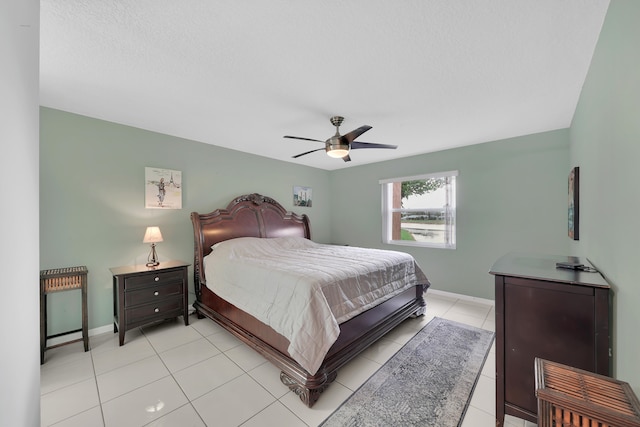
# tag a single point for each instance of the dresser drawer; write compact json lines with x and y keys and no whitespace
{"x":151,"y":279}
{"x":151,"y":294}
{"x":169,"y":307}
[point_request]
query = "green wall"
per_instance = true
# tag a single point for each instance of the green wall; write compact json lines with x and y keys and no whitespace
{"x":92,"y":200}
{"x":605,"y":143}
{"x":511,"y":196}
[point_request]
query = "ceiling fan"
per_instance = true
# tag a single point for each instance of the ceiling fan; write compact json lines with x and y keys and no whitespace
{"x":338,"y":146}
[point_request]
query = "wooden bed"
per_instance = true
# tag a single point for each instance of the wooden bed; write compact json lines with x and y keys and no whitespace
{"x":254,"y":215}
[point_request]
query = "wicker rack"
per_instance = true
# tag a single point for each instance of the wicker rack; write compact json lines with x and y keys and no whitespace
{"x":572,"y":397}
{"x":62,"y":279}
{"x":58,"y":280}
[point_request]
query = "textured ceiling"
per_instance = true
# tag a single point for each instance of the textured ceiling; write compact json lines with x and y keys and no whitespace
{"x":426,"y":74}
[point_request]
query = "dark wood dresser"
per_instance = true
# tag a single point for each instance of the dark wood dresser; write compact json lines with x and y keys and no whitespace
{"x":550,"y":313}
{"x":144,"y":294}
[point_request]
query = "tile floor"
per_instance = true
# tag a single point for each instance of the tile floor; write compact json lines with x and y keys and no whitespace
{"x":200,"y":375}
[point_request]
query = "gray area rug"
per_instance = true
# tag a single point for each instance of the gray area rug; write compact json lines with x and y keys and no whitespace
{"x":428,"y":382}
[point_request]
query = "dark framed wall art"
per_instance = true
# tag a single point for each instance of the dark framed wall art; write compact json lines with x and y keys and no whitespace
{"x":574,"y":203}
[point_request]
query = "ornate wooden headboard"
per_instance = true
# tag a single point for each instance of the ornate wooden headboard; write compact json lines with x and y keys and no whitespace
{"x":250,"y":215}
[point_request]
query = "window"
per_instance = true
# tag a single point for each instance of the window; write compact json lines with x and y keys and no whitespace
{"x":420,"y":210}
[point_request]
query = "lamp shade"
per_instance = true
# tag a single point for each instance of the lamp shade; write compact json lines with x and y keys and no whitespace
{"x":152,"y":235}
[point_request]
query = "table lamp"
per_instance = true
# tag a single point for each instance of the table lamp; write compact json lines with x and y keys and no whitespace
{"x":153,"y":236}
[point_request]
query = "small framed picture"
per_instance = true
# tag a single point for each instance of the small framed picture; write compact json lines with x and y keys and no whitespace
{"x":162,"y":188}
{"x":302,"y":196}
{"x":574,"y":203}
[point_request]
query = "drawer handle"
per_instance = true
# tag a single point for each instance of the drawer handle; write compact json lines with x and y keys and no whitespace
{"x":157,"y":310}
{"x":156,"y":293}
{"x":157,"y":279}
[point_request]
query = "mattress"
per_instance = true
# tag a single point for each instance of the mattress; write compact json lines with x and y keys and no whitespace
{"x":303,"y":289}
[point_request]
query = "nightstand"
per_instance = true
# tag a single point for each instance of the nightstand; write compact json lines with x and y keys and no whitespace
{"x":143,"y":295}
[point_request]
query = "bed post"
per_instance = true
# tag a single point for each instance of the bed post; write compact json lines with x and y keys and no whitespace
{"x":422,"y":304}
{"x":198,"y":241}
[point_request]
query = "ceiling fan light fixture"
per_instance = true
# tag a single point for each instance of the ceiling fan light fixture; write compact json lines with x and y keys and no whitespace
{"x":336,"y":147}
{"x":339,"y":146}
{"x":338,"y":152}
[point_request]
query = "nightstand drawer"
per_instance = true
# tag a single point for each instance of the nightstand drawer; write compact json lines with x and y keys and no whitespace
{"x":151,"y":294}
{"x":170,"y":307}
{"x":153,"y":278}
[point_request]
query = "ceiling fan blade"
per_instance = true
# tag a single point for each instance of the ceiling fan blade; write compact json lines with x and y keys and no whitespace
{"x":304,"y":139}
{"x":302,"y":154}
{"x":346,"y":158}
{"x":356,"y":144}
{"x":355,"y":133}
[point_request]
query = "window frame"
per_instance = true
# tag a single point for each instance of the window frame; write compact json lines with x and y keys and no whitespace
{"x":388,"y":210}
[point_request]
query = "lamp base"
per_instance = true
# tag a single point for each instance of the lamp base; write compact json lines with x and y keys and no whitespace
{"x":153,"y":257}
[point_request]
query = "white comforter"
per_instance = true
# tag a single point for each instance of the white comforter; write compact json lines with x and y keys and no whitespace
{"x":304,"y":290}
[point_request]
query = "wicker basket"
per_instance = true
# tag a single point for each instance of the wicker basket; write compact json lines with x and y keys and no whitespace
{"x":62,"y":279}
{"x":572,"y":397}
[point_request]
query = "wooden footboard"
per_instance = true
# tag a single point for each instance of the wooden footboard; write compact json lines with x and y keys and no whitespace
{"x":356,"y":335}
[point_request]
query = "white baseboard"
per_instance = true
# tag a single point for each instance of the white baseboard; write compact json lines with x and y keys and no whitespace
{"x":461,"y":296}
{"x":51,"y":342}
{"x":109,"y":328}
{"x":78,"y":335}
